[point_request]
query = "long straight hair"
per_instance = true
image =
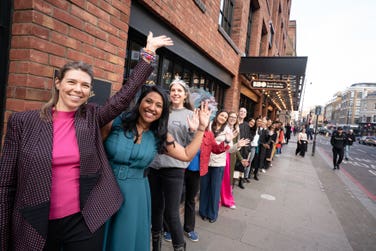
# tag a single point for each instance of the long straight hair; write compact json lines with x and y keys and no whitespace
{"x":187,"y":102}
{"x":215,"y":123}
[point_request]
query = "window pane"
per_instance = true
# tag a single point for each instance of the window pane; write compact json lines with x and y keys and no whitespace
{"x":135,"y":57}
{"x":196,"y":80}
{"x":225,"y":15}
{"x":178,"y":70}
{"x":166,"y":73}
{"x":202,"y":82}
{"x":187,"y":76}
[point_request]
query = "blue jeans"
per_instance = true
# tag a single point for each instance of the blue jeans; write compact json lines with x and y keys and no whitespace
{"x":347,"y":151}
{"x":251,"y":156}
{"x":210,"y":189}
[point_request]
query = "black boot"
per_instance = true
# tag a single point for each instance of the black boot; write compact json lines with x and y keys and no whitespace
{"x":156,"y":241}
{"x":241,"y":183}
{"x":179,"y":247}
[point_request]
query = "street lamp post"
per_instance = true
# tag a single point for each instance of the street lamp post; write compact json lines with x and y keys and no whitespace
{"x":302,"y":102}
{"x":317,"y":112}
{"x":347,"y":119}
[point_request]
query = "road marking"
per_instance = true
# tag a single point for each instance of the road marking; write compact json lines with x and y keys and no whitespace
{"x":373,"y":172}
{"x":267,"y":197}
{"x":360,"y":150}
{"x":328,"y":159}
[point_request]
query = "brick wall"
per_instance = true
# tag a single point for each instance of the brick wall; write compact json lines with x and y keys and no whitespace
{"x":198,"y":27}
{"x":201,"y":29}
{"x":48,"y":33}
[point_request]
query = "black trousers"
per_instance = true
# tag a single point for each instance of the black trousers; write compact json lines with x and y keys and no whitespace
{"x":337,"y":155}
{"x":71,"y":234}
{"x":256,"y":163}
{"x":301,"y":148}
{"x":166,"y":185}
{"x":262,"y":157}
{"x":192,"y":185}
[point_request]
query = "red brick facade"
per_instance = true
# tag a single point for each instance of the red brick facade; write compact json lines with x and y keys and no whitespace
{"x":45,"y":34}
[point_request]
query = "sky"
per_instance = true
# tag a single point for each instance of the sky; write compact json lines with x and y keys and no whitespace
{"x":339,"y":39}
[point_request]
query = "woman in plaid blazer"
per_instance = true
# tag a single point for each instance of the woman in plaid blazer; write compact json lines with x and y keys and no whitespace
{"x":56,"y":186}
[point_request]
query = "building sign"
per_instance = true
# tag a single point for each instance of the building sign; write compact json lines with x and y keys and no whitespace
{"x":268,"y":84}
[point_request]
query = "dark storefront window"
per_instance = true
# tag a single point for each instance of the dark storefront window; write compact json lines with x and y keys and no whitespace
{"x":187,"y":76}
{"x":166,"y":73}
{"x":168,"y":65}
{"x":6,"y":8}
{"x":133,"y":52}
{"x":249,"y":104}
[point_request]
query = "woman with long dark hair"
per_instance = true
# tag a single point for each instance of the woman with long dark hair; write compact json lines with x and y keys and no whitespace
{"x":135,"y":139}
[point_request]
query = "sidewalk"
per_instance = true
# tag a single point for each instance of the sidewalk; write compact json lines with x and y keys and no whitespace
{"x":287,"y":209}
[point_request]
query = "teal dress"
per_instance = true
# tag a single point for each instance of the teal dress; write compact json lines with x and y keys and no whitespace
{"x":129,"y":228}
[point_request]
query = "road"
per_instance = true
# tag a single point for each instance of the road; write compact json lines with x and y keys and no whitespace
{"x":361,"y":167}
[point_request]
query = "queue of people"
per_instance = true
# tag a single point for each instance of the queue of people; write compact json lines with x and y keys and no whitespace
{"x":78,"y":176}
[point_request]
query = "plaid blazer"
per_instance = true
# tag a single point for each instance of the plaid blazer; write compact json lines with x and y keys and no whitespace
{"x":25,"y":169}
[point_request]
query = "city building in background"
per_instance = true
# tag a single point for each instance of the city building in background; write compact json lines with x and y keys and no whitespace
{"x":367,"y":115}
{"x":243,"y":52}
{"x":353,"y":108}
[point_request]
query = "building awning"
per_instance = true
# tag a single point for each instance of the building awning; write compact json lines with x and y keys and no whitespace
{"x":274,"y":70}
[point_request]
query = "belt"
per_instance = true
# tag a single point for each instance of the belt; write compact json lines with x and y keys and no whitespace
{"x":125,"y":172}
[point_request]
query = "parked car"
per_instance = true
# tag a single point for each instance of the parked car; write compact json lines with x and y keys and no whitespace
{"x":367,"y":140}
{"x":324,"y":131}
{"x":370,"y":140}
{"x":362,"y":139}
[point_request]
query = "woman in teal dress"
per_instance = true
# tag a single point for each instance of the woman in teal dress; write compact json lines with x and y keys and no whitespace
{"x":134,"y":140}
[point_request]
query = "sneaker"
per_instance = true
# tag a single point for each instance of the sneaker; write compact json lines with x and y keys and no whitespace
{"x":263,"y":170}
{"x":167,"y":236}
{"x":233,"y":207}
{"x":347,"y":159}
{"x":193,"y":236}
{"x":212,"y":220}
